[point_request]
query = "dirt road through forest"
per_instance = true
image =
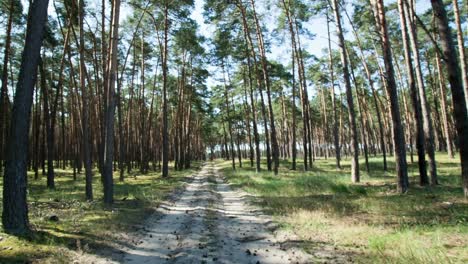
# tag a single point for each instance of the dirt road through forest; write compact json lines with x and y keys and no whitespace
{"x":209,"y":222}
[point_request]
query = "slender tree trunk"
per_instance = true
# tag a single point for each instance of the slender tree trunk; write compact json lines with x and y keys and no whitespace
{"x":293,"y":55}
{"x":228,"y":120}
{"x":294,"y":115}
{"x":266,"y":79}
{"x":397,"y":127}
{"x":336,"y":136}
{"x":371,"y":84}
{"x":37,"y":132}
{"x":305,"y":98}
{"x":361,"y":118}
{"x":349,"y":97}
{"x":121,"y":132}
{"x":87,"y":149}
{"x":418,"y":117}
{"x":48,"y":126}
{"x":254,"y":110}
{"x":425,"y":112}
{"x":4,"y":100}
{"x":110,"y":111}
{"x":250,"y":47}
{"x":443,"y":106}
{"x":461,"y":48}
{"x":247,"y":122}
{"x":165,"y":141}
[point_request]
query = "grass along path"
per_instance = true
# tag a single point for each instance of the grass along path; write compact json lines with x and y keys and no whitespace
{"x":85,"y":227}
{"x":369,"y":221}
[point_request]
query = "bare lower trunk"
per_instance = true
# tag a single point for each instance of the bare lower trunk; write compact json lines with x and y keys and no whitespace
{"x":415,"y":99}
{"x":397,"y":127}
{"x":4,"y":100}
{"x":336,"y":138}
{"x":15,"y":208}
{"x":165,"y":140}
{"x":455,"y":80}
{"x":426,"y":115}
{"x":461,"y":48}
{"x":108,"y":183}
{"x":349,"y":97}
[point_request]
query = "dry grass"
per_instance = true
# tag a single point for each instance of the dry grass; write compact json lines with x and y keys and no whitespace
{"x":369,"y":220}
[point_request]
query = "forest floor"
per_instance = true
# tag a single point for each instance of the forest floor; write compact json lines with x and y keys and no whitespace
{"x":369,"y":222}
{"x":66,"y":227}
{"x":217,"y":215}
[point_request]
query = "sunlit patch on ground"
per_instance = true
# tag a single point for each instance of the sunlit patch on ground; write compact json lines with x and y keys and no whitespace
{"x":368,"y":220}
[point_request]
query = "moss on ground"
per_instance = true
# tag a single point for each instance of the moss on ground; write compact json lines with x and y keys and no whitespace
{"x":84,"y":226}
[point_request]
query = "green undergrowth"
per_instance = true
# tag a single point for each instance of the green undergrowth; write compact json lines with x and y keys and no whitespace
{"x":84,"y":226}
{"x":367,"y":222}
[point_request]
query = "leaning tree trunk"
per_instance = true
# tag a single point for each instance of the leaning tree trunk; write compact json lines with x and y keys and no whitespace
{"x":266,"y":79}
{"x":455,"y":80}
{"x":426,"y":115}
{"x":15,"y":209}
{"x":253,"y":64}
{"x":461,"y":48}
{"x":349,"y":96}
{"x":397,"y":127}
{"x":361,"y":118}
{"x":371,"y":84}
{"x":418,"y":118}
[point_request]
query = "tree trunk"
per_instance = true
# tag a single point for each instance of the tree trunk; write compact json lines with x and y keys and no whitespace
{"x":336,"y":136}
{"x":349,"y":97}
{"x":48,"y":126}
{"x":253,"y":55}
{"x":110,"y":111}
{"x":87,"y":148}
{"x":461,"y":48}
{"x":361,"y":117}
{"x":254,"y":109}
{"x":266,"y":79}
{"x":4,"y":100}
{"x":228,"y":114}
{"x":397,"y":127}
{"x":165,"y":141}
{"x":444,"y":108}
{"x":371,"y":84}
{"x":15,"y":209}
{"x":455,"y":80}
{"x":426,"y":114}
{"x":418,"y":117}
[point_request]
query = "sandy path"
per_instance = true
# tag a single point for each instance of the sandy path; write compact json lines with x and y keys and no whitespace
{"x":210,"y":223}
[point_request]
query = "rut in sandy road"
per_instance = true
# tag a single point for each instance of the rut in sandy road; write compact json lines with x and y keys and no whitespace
{"x":210,"y":223}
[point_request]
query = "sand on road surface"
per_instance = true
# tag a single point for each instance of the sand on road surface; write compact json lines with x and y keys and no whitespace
{"x":210,"y":222}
